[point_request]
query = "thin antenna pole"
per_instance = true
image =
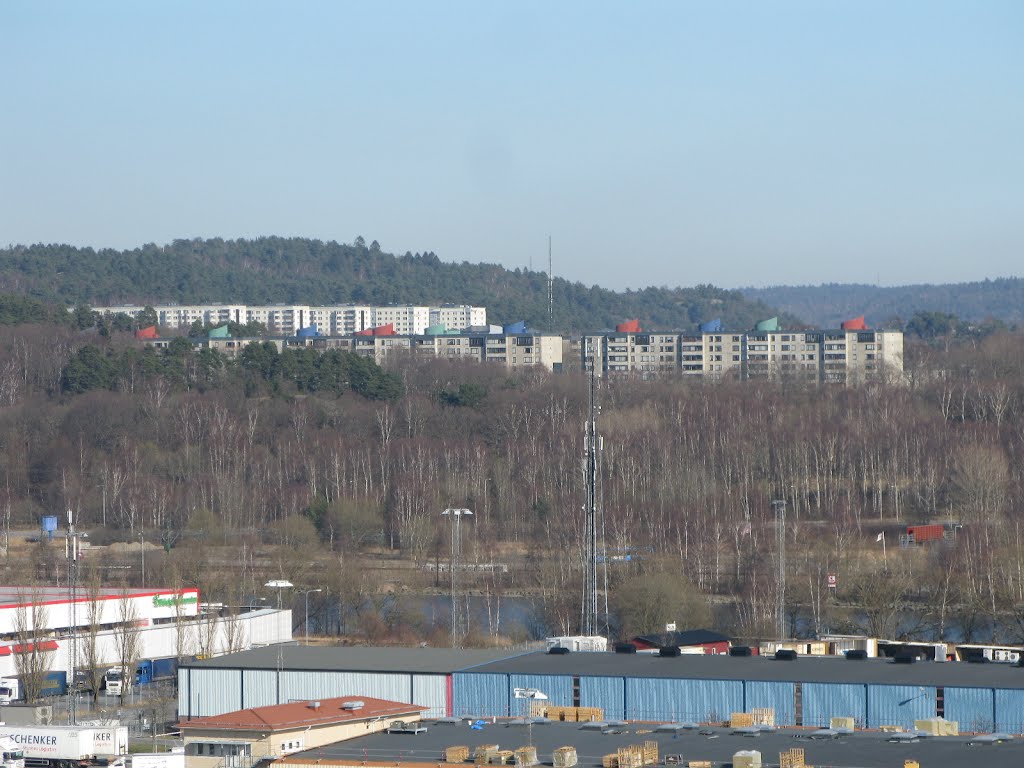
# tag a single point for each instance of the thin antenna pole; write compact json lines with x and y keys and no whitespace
{"x":551,"y":280}
{"x":780,"y":531}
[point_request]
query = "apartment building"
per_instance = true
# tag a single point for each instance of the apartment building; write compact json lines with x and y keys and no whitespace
{"x":512,"y":350}
{"x":287,"y":320}
{"x":837,"y":356}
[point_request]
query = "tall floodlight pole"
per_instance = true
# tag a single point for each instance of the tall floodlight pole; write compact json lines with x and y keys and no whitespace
{"x":592,"y":445}
{"x":456,"y":516}
{"x":780,"y":545}
{"x":306,"y":625}
{"x":72,"y":552}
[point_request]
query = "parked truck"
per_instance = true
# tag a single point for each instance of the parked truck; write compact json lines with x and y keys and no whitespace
{"x":151,"y":670}
{"x":113,"y":682}
{"x":12,"y":755}
{"x":10,"y":690}
{"x":54,"y":746}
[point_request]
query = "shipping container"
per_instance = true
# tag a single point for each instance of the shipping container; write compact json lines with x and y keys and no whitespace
{"x":922,"y":533}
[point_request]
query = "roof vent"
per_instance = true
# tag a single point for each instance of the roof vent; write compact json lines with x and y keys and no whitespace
{"x":904,"y":658}
{"x":314,"y":705}
{"x":669,"y":651}
{"x":630,"y":648}
{"x":740,"y":650}
{"x":785,"y":654}
{"x":353,"y":704}
{"x":856,"y":654}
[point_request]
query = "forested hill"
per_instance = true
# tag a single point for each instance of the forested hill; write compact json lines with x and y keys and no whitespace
{"x":827,"y":305}
{"x":304,"y":271}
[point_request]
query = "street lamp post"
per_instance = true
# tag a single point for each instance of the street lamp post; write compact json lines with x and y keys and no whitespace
{"x":142,"y":549}
{"x":306,"y":625}
{"x":456,"y":516}
{"x":279,"y":585}
{"x":531,"y":694}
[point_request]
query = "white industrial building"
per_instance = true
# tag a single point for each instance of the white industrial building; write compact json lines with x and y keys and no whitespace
{"x":169,"y":623}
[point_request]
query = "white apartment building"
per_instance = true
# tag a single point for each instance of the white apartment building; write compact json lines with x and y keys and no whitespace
{"x":458,"y":317}
{"x":407,"y":321}
{"x":841,"y":356}
{"x":286,"y":320}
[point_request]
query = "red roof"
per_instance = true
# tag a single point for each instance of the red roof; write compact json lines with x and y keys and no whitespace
{"x":857,"y":324}
{"x":147,"y":333}
{"x":630,"y":326}
{"x":302,"y":714}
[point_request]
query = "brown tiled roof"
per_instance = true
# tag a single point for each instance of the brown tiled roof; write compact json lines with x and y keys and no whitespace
{"x":302,"y":714}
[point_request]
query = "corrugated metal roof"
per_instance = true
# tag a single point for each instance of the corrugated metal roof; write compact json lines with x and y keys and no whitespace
{"x":356,"y":659}
{"x":807,"y":669}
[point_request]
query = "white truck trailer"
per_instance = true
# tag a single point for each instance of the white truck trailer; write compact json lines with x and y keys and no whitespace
{"x":55,"y":746}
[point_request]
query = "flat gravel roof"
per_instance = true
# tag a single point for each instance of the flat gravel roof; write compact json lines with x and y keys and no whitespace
{"x":354,"y":659}
{"x":805,"y":669}
{"x":869,"y":749}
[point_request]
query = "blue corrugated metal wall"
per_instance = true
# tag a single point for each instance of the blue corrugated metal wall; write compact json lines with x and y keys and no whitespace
{"x":480,"y":695}
{"x":779,"y":696}
{"x":558,"y":689}
{"x":1010,"y":710}
{"x":899,"y":704}
{"x":823,"y":701}
{"x":972,"y":708}
{"x":608,"y":693}
{"x":682,"y":700}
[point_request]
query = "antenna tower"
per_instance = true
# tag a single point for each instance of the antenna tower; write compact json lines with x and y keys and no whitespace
{"x":593,"y":444}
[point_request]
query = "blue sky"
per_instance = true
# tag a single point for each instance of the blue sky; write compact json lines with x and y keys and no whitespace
{"x":658,"y":143}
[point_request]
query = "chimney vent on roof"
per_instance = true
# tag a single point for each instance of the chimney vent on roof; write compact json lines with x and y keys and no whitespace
{"x":314,"y":705}
{"x":353,"y":704}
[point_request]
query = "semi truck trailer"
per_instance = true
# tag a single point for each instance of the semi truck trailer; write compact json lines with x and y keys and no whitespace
{"x":54,"y":746}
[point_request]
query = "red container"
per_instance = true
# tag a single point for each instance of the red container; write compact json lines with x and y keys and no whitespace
{"x":926,"y":532}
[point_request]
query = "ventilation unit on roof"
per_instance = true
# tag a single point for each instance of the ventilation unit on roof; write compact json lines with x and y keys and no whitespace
{"x":856,"y":654}
{"x":629,"y":648}
{"x":670,"y":651}
{"x":314,"y":705}
{"x":353,"y":705}
{"x":740,"y":650}
{"x":785,"y":654}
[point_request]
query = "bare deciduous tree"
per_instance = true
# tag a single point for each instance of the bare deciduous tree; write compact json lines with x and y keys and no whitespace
{"x":127,"y":641}
{"x":31,"y":661}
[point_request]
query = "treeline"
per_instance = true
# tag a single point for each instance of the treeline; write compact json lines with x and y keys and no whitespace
{"x":978,"y":303}
{"x":304,"y":271}
{"x":258,"y":369}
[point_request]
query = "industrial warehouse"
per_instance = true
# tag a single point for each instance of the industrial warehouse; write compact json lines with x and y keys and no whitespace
{"x":803,"y":691}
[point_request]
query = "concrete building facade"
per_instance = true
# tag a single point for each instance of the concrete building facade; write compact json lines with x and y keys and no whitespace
{"x":338,"y":320}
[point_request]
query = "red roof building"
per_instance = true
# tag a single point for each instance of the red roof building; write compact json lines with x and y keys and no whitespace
{"x":630,"y":326}
{"x":269,"y":732}
{"x":147,"y":333}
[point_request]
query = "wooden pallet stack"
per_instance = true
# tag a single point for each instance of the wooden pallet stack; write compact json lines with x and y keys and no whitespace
{"x":485,"y":754}
{"x":764,"y":716}
{"x":568,"y":714}
{"x":526,"y":756}
{"x":564,"y":757}
{"x":741,"y":720}
{"x":792,"y":758}
{"x":458,"y":754}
